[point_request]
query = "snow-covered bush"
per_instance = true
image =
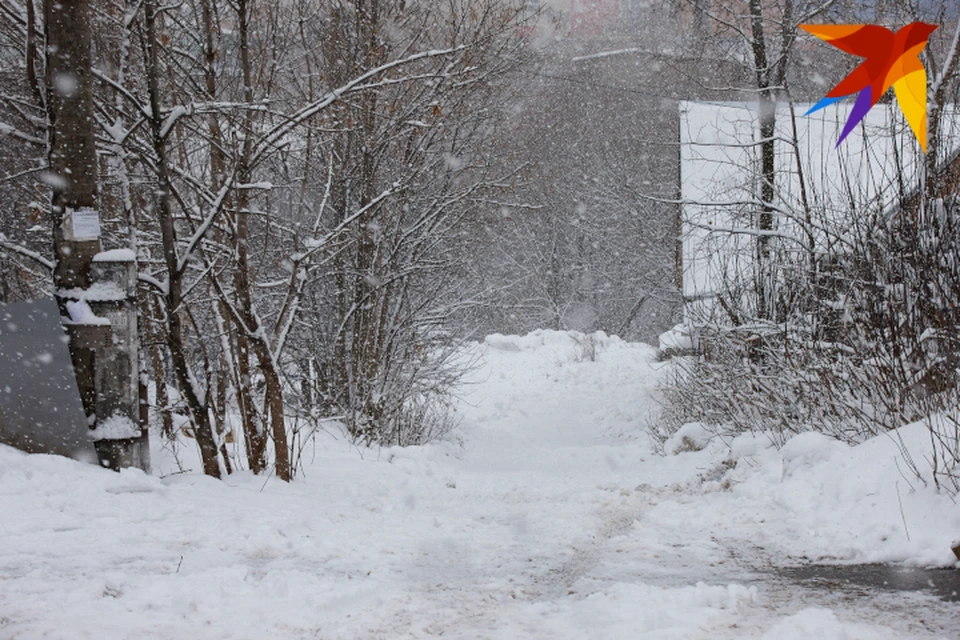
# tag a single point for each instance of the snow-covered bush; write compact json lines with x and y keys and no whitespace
{"x":864,"y":338}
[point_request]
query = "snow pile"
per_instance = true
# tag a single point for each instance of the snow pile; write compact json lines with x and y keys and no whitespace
{"x":816,"y":499}
{"x":858,"y":503}
{"x":116,"y":255}
{"x":822,"y":624}
{"x":676,"y":339}
{"x":81,"y":313}
{"x":543,"y":342}
{"x":692,"y":436}
{"x":116,"y":427}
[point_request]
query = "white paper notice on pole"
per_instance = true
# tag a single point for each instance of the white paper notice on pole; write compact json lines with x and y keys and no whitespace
{"x":86,"y":223}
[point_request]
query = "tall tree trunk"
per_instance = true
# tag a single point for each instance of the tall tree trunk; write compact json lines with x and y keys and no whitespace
{"x":72,"y":158}
{"x":365,"y":355}
{"x":255,"y":336}
{"x":154,"y":333}
{"x":32,"y":56}
{"x":174,"y":291}
{"x":934,"y":183}
{"x":253,"y":431}
{"x":72,"y":142}
{"x":768,"y":123}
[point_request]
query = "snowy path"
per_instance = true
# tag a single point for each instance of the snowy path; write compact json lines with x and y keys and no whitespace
{"x":552,"y":519}
{"x":557,"y":449}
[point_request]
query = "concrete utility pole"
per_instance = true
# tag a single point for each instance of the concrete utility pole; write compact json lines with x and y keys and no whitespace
{"x":102,"y":320}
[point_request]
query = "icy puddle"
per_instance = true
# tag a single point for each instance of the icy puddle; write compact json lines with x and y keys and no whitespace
{"x":944,"y":583}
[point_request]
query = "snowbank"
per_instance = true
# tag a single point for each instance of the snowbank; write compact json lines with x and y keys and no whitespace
{"x":821,"y":500}
{"x":546,"y":341}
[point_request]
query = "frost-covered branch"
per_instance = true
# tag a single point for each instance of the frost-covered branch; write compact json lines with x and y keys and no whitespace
{"x":294,"y":120}
{"x":215,"y":209}
{"x":26,"y":253}
{"x":13,"y":132}
{"x":291,"y":305}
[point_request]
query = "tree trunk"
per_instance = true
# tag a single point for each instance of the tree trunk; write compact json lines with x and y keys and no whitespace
{"x":72,"y":159}
{"x":768,"y":122}
{"x":255,"y":336}
{"x":174,"y":291}
{"x":154,"y":334}
{"x":72,"y":142}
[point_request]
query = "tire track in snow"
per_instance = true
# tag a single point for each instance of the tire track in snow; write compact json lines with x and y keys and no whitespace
{"x":559,"y":580}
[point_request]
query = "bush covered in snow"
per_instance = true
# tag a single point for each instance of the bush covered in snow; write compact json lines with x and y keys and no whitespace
{"x":861,"y":338}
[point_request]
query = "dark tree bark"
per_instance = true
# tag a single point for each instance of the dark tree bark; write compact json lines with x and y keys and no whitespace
{"x":173,"y":296}
{"x":254,"y":334}
{"x":72,"y":144}
{"x":72,"y":156}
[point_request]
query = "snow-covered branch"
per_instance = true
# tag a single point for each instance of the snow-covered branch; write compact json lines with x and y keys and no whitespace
{"x":143,"y":108}
{"x":216,"y":208}
{"x":174,"y":114}
{"x":23,"y":251}
{"x":13,"y":132}
{"x":298,"y":280}
{"x":146,"y":278}
{"x":294,"y":120}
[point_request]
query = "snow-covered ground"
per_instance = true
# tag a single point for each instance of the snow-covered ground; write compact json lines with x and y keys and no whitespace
{"x":546,"y":514}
